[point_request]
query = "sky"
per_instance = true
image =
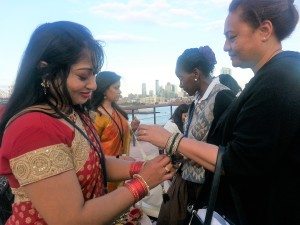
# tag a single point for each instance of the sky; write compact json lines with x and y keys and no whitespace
{"x":142,"y":39}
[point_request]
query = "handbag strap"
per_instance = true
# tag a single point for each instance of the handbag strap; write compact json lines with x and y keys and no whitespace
{"x":190,"y":117}
{"x":100,"y":153}
{"x":215,"y":186}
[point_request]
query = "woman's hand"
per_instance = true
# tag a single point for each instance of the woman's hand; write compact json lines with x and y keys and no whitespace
{"x":154,"y":134}
{"x":135,"y":124}
{"x":157,"y":170}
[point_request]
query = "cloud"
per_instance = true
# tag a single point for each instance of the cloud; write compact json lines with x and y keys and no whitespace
{"x":158,"y":12}
{"x":219,"y":3}
{"x":214,"y":25}
{"x":123,"y":37}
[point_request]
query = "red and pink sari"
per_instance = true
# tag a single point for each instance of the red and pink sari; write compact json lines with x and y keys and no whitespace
{"x":36,"y":146}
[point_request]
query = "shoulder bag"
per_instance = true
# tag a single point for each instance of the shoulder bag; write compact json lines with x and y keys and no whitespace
{"x":207,"y":216}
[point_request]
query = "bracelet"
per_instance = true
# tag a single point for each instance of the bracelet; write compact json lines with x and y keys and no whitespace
{"x":137,"y":188}
{"x":146,"y":186}
{"x":169,"y":149}
{"x":176,"y":144}
{"x":169,"y":142}
{"x":134,"y":191}
{"x":136,"y":167}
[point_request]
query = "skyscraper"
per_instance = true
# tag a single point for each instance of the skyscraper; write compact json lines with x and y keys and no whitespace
{"x":144,"y":90}
{"x":156,"y":87}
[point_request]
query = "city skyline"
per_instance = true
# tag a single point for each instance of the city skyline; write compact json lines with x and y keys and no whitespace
{"x":4,"y":92}
{"x":143,"y":91}
{"x":141,"y":38}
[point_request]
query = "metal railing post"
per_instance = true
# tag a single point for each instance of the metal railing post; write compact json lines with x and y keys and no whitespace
{"x":132,"y":114}
{"x":154,"y":110}
{"x":133,"y":136}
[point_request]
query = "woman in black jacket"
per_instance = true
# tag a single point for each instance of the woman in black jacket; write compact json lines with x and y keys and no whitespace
{"x":261,"y":130}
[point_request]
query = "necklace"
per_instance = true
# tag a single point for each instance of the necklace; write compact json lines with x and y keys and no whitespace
{"x":120,"y":129}
{"x":274,"y":53}
{"x":97,"y":149}
{"x":262,"y":62}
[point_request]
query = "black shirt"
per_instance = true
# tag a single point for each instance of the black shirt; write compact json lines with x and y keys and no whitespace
{"x":261,"y":132}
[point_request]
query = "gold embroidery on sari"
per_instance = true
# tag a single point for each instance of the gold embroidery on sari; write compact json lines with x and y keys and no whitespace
{"x":20,"y":195}
{"x":80,"y":147}
{"x":49,"y":161}
{"x":41,"y":163}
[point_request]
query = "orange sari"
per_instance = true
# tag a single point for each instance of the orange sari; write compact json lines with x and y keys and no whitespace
{"x":114,"y":133}
{"x":115,"y":136}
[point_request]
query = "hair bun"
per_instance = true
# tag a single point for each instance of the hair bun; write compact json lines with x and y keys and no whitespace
{"x":208,"y":54}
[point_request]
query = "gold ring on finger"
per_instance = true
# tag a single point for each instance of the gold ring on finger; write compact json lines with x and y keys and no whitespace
{"x":167,"y":169}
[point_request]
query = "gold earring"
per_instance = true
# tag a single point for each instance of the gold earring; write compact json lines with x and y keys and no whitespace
{"x":45,"y":84}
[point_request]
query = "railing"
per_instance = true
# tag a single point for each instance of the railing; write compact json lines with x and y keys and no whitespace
{"x":133,"y":110}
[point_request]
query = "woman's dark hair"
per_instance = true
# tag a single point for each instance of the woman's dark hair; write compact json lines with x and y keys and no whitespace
{"x":177,"y":115}
{"x":52,"y":49}
{"x":104,"y":80}
{"x":202,"y":58}
{"x":282,"y":13}
{"x":230,"y":82}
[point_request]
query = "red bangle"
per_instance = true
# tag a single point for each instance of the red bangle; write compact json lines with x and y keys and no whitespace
{"x":135,"y":168}
{"x":143,"y":182}
{"x":137,"y":188}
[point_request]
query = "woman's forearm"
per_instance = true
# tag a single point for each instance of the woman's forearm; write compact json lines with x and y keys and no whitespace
{"x":203,"y":153}
{"x":108,"y":208}
{"x":117,"y":169}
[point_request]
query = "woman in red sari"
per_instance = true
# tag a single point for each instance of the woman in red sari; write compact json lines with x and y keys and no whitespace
{"x":50,"y":152}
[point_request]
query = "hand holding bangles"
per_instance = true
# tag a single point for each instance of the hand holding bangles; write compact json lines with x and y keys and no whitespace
{"x":157,"y":170}
{"x":148,"y":174}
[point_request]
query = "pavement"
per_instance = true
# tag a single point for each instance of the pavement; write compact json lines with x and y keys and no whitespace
{"x":143,"y":150}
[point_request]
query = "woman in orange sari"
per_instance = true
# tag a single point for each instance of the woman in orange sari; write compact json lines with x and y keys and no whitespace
{"x":110,"y":121}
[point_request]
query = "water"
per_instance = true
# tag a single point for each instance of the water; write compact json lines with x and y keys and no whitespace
{"x":161,"y":118}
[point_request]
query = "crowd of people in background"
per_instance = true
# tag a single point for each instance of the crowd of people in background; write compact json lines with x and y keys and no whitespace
{"x":65,"y":142}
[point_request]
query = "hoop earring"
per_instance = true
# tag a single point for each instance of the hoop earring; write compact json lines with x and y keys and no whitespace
{"x":45,"y":84}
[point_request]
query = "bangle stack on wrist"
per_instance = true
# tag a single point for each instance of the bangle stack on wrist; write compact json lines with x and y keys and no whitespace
{"x":172,"y":144}
{"x":136,"y":167}
{"x":138,"y":187}
{"x":145,"y":185}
